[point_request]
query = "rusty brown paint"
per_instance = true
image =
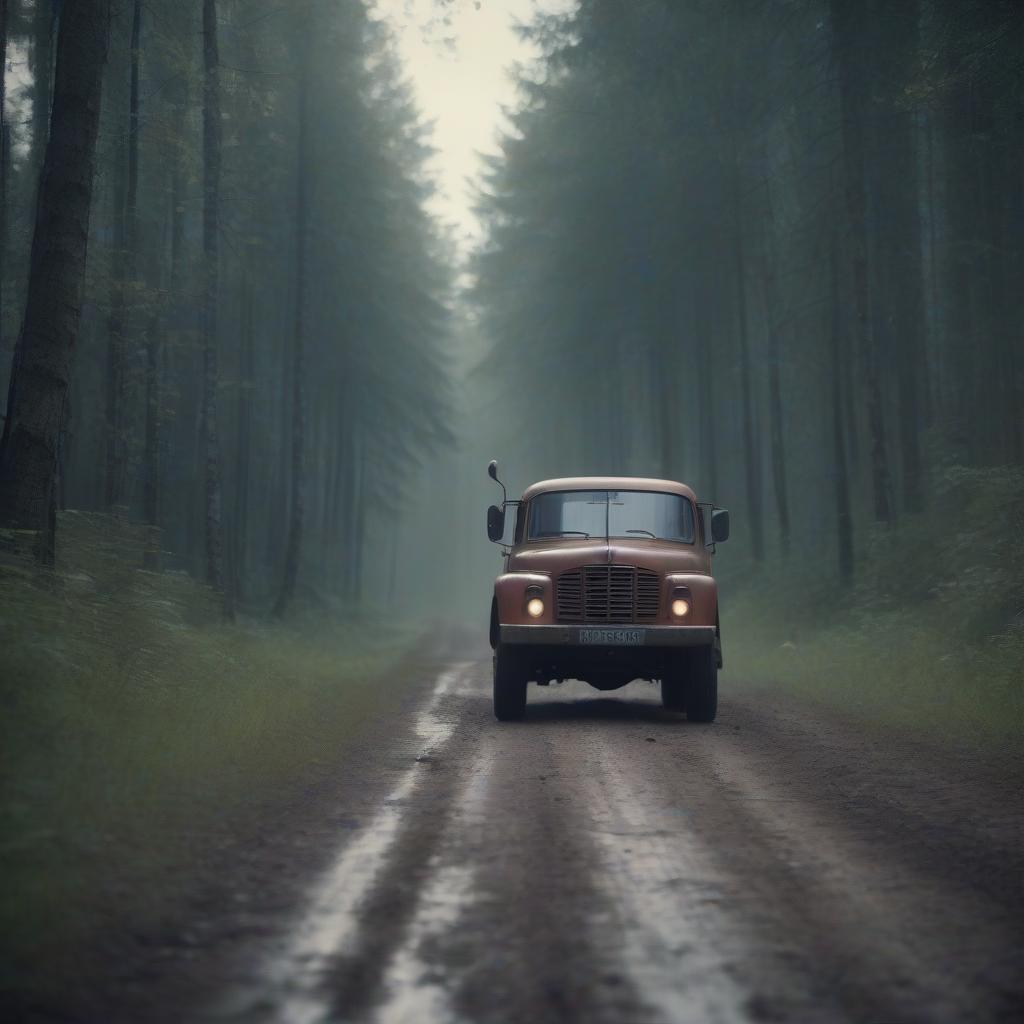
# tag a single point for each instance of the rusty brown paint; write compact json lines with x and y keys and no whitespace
{"x":540,"y":562}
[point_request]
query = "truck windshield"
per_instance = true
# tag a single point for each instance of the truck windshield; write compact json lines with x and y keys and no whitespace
{"x":611,"y":514}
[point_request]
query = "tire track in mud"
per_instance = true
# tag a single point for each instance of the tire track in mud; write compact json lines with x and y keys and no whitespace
{"x":605,"y":861}
{"x":526,"y":944}
{"x":501,"y":929}
{"x":330,"y":950}
{"x":470,"y":897}
{"x":817,"y":918}
{"x":908,"y":914}
{"x":675,"y":944}
{"x":950,"y":821}
{"x":418,"y":900}
{"x":884,"y":941}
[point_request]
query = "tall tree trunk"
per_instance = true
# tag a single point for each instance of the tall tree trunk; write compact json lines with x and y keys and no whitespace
{"x":359,"y":526}
{"x":132,"y":198}
{"x":40,"y":374}
{"x":243,"y":413}
{"x":751,"y":436}
{"x":354,"y":499}
{"x":330,"y":471}
{"x":157,"y":327}
{"x":775,"y":421}
{"x":844,"y":518}
{"x":211,"y":202}
{"x":123,"y":286}
{"x":775,"y":429}
{"x":298,"y":509}
{"x":850,"y":51}
{"x":1011,"y":226}
{"x":1003,"y":334}
{"x":3,"y":161}
{"x":42,"y":78}
{"x":393,"y":534}
{"x":151,"y":480}
{"x":934,"y":301}
{"x":705,"y":390}
{"x":278,"y":519}
{"x":341,"y":482}
{"x":179,"y":358}
{"x":963,"y":283}
{"x":897,"y":238}
{"x":662,"y":365}
{"x":733,"y":133}
{"x":155,"y":332}
{"x":114,"y":465}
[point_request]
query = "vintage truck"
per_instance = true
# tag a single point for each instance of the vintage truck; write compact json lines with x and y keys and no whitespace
{"x":607,"y":580}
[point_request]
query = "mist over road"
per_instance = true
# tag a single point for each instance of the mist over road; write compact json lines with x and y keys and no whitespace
{"x":607,"y":861}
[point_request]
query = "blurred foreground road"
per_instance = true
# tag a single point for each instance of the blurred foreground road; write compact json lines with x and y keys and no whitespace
{"x":607,"y":861}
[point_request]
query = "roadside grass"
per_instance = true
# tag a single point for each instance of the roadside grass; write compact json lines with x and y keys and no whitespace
{"x":136,"y":729}
{"x":929,"y":638}
{"x":895,"y":668}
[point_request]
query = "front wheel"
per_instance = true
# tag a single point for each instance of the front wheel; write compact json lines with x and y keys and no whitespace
{"x":674,"y":685}
{"x":509,"y":686}
{"x":702,"y":684}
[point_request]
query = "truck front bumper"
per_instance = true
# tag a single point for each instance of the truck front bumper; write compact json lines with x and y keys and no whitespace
{"x":608,"y":636}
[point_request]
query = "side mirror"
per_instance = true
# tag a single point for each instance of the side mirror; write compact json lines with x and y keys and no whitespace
{"x":495,"y":523}
{"x":719,"y":525}
{"x":492,"y":469}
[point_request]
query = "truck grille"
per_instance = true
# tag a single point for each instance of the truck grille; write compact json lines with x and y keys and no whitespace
{"x":607,"y":593}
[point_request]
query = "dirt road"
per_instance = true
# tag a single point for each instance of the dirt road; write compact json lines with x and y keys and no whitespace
{"x":602,"y":861}
{"x":607,"y":861}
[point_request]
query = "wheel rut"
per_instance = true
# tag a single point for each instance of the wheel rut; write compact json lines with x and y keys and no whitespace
{"x":604,"y":860}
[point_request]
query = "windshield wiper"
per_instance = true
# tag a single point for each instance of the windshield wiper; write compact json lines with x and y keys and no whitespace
{"x":653,"y":536}
{"x":564,"y":533}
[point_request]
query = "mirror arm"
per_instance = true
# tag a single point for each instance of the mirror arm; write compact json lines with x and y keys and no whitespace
{"x":492,"y":472}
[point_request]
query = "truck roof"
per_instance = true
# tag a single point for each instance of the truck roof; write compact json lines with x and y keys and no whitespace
{"x":608,"y":483}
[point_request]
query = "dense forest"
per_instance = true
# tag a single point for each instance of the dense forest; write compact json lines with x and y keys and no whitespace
{"x":259,"y":362}
{"x":775,"y":248}
{"x":772,"y":248}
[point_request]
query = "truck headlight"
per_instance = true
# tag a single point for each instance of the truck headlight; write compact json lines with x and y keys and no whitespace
{"x":680,"y":602}
{"x":535,"y":607}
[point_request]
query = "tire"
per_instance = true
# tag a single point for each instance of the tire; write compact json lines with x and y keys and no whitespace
{"x":509,"y":686}
{"x":702,"y":685}
{"x":673,"y":685}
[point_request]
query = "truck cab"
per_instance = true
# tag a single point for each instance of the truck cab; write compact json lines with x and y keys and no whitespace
{"x":607,"y":580}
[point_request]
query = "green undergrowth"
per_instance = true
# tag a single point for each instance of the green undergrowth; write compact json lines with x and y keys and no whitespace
{"x":930,"y":635}
{"x":139,"y":732}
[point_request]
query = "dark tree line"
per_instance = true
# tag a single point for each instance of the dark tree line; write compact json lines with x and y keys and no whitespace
{"x":776,"y":248}
{"x":233,"y":321}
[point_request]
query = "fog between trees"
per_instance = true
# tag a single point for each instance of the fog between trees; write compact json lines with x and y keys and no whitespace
{"x":260,"y":361}
{"x":775,"y":249}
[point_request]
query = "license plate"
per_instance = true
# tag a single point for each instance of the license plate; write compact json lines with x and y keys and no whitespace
{"x":613,"y":637}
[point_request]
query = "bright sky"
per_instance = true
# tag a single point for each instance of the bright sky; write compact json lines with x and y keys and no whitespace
{"x":458,"y":57}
